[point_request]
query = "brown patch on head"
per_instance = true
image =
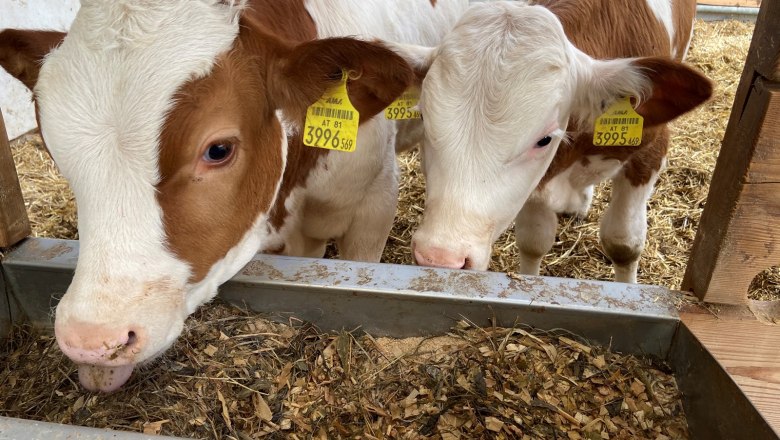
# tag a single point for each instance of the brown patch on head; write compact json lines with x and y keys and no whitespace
{"x":433,"y":3}
{"x":207,"y":213}
{"x":22,"y":52}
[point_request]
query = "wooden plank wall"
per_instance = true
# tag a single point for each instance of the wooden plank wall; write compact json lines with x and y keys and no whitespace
{"x":746,"y":348}
{"x":14,"y":225}
{"x":739,"y":233}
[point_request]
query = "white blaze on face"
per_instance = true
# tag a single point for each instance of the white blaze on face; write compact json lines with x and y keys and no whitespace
{"x":499,"y":84}
{"x":103,"y":96}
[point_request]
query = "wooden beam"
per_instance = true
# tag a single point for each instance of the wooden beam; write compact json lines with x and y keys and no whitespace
{"x":747,"y":349}
{"x":14,"y":225}
{"x":739,"y":233}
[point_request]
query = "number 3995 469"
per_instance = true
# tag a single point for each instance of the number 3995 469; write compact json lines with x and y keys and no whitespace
{"x":614,"y":138}
{"x":325,"y":137}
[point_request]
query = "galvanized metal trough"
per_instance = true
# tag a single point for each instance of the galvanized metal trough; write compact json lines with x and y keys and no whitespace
{"x":401,"y":301}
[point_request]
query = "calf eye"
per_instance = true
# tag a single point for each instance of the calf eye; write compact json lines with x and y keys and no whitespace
{"x":218,"y":153}
{"x":543,"y":142}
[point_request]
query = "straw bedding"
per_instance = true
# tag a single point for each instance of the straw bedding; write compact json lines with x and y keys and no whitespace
{"x":235,"y":375}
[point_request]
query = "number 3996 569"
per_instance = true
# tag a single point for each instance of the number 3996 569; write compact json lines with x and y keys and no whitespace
{"x":325,"y":137}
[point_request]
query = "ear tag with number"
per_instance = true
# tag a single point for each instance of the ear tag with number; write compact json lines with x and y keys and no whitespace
{"x":405,"y":107}
{"x":620,"y":125}
{"x":332,"y":121}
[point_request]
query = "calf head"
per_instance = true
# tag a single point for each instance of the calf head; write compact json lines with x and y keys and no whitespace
{"x":172,"y":121}
{"x":497,"y":98}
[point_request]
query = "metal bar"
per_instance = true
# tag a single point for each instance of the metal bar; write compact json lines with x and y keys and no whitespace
{"x":727,"y":10}
{"x":19,"y":429}
{"x":393,"y":300}
{"x":710,"y":12}
{"x":715,"y":406}
{"x":42,"y":277}
{"x":401,"y":301}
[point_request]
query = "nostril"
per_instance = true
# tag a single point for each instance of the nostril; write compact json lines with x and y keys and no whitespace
{"x":131,"y":339}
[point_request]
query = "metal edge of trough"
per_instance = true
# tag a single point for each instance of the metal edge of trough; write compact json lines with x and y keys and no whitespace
{"x":394,"y":300}
{"x":20,"y":429}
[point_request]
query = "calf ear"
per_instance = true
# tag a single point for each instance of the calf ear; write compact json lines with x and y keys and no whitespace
{"x":676,"y":89}
{"x":665,"y":88}
{"x":22,"y":52}
{"x":308,"y":70}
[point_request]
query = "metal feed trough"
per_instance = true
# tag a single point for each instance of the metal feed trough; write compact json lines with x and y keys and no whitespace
{"x":402,"y":301}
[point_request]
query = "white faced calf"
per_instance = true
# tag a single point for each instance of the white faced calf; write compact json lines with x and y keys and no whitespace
{"x":500,"y":94}
{"x":178,"y":124}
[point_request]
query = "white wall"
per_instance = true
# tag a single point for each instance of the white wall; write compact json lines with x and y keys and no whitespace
{"x":15,"y":100}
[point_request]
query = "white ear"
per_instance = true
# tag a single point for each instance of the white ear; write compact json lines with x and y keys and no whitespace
{"x":600,"y":83}
{"x":419,"y":58}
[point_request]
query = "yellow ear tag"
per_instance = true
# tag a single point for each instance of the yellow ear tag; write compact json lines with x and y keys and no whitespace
{"x":332,"y":122}
{"x":405,"y":107}
{"x":620,"y":125}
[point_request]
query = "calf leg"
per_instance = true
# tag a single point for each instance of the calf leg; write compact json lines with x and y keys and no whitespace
{"x":300,"y":245}
{"x":623,"y":228}
{"x":535,"y":227}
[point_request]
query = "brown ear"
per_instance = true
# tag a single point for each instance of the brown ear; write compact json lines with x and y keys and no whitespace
{"x":676,"y":89}
{"x":309,"y":69}
{"x":22,"y":52}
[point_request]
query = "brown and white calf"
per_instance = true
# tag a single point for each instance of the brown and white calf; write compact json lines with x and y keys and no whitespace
{"x":500,"y":94}
{"x":178,"y":124}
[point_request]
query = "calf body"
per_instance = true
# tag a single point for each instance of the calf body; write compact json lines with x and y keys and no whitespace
{"x":509,"y":101}
{"x":179,"y":126}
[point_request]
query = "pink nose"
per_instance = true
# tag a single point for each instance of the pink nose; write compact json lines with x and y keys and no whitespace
{"x":438,"y":257}
{"x":98,"y":344}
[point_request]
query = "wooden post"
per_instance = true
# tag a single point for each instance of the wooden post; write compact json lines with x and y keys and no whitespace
{"x":14,"y":225}
{"x":739,"y":234}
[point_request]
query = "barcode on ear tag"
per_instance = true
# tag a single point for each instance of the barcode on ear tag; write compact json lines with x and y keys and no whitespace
{"x":619,"y":126}
{"x":332,"y":121}
{"x":405,"y":107}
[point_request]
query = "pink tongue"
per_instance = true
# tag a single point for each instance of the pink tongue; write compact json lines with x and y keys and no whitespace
{"x":105,"y":379}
